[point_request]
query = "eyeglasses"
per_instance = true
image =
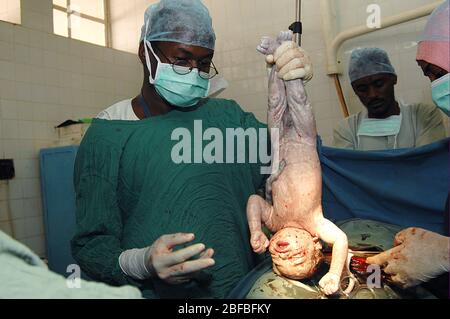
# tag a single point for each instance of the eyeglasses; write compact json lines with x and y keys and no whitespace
{"x":206,"y":69}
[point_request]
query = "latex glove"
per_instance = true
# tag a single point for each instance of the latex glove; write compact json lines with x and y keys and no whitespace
{"x":175,"y":267}
{"x":159,"y":260}
{"x":292,"y":62}
{"x":418,"y":257}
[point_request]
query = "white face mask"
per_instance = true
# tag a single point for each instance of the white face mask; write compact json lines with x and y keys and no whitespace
{"x":381,"y":127}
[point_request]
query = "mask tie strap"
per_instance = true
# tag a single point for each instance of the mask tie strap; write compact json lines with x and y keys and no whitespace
{"x":148,"y":44}
{"x":145,"y":106}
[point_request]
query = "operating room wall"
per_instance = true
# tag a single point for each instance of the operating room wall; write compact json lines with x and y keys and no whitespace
{"x":44,"y":80}
{"x":240,"y":24}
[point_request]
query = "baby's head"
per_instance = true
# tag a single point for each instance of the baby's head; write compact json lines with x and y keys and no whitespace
{"x":295,"y":253}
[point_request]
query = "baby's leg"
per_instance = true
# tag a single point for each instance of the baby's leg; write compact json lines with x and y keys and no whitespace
{"x":332,"y":235}
{"x":272,"y":179}
{"x":258,"y":212}
{"x":275,"y":114}
{"x":301,"y":111}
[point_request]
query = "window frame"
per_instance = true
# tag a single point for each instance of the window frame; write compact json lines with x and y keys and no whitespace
{"x":105,"y":21}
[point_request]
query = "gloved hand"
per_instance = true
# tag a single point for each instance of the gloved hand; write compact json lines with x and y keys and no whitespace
{"x":174,"y":267}
{"x":160,"y":261}
{"x":292,"y":62}
{"x":418,"y":257}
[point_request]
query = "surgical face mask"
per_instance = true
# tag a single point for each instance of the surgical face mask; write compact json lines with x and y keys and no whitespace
{"x":179,"y":90}
{"x":381,"y":127}
{"x":440,"y":91}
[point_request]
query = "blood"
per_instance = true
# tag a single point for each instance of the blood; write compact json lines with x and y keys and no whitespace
{"x":359,"y":265}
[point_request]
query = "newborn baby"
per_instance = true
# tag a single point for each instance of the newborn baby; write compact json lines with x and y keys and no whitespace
{"x":294,"y":211}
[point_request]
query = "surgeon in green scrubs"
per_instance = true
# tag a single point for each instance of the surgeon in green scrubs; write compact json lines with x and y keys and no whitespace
{"x":153,"y":212}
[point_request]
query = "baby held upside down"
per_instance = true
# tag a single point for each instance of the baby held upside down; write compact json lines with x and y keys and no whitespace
{"x":293,"y":210}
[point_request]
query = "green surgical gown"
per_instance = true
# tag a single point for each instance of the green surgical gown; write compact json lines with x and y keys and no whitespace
{"x":129,"y":192}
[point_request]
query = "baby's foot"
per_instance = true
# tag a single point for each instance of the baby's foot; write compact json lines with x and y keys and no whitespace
{"x":259,"y":242}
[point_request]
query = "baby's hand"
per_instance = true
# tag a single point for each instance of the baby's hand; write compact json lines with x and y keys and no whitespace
{"x":329,"y":283}
{"x":259,"y":242}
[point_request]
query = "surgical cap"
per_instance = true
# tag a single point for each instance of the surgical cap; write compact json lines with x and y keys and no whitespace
{"x":369,"y":61}
{"x":437,"y":28}
{"x":182,"y":21}
{"x":434,"y":43}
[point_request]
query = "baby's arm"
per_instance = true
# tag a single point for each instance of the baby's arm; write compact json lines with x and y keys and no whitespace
{"x":332,"y":235}
{"x":258,"y":212}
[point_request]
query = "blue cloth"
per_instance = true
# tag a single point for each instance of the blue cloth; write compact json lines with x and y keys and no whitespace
{"x":406,"y":187}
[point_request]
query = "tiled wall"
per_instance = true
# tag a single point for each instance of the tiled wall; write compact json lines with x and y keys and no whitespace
{"x":239,"y":25}
{"x":45,"y":80}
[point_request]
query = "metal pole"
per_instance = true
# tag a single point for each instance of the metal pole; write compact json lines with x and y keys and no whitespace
{"x":296,"y":27}
{"x":298,"y":18}
{"x":107,"y":22}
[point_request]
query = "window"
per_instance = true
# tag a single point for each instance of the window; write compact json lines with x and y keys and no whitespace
{"x":10,"y":11}
{"x":84,"y":20}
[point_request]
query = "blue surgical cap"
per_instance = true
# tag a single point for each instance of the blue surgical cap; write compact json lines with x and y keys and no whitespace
{"x":369,"y":61}
{"x":182,"y":21}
